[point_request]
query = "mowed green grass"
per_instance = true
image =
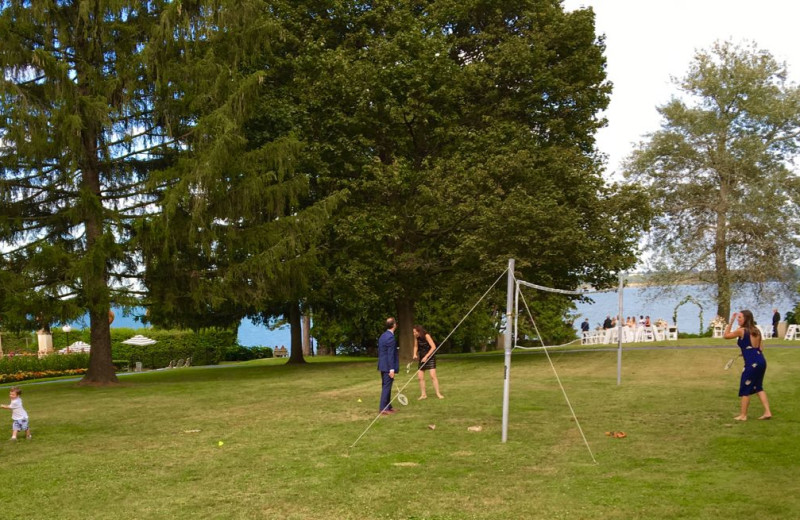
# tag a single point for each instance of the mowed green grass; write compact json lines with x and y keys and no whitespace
{"x":123,"y":452}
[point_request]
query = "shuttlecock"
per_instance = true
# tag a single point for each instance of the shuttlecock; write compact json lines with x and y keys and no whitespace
{"x":220,"y":443}
{"x":359,"y":400}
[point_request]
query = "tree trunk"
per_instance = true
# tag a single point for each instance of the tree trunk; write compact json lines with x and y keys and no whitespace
{"x":101,"y":369}
{"x":296,"y":356}
{"x":405,"y":326}
{"x":95,"y":275}
{"x":306,"y":334}
{"x":720,"y":255}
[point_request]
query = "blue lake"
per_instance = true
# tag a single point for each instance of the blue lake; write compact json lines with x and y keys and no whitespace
{"x":250,"y":334}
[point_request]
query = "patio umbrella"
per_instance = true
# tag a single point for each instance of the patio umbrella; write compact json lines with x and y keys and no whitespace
{"x":140,"y":340}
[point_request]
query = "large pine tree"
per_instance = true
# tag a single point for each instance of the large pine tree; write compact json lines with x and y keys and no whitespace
{"x":126,"y":171}
{"x":79,"y":137}
{"x":237,"y":234}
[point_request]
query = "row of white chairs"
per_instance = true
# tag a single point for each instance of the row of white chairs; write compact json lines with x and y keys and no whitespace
{"x":792,"y":332}
{"x":718,"y":332}
{"x":629,"y":335}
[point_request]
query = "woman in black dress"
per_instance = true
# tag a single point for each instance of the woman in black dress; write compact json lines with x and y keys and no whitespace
{"x":425,"y":351}
{"x":755,"y":364}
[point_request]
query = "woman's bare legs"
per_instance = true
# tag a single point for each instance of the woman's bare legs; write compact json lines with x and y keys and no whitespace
{"x":435,"y":380}
{"x":764,"y":401}
{"x":743,"y":413}
{"x":421,"y":377}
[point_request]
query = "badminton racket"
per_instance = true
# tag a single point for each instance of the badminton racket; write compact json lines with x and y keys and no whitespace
{"x":401,"y":398}
{"x":729,"y":364}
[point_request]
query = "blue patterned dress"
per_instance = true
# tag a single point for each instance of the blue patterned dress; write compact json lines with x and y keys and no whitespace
{"x":755,"y":364}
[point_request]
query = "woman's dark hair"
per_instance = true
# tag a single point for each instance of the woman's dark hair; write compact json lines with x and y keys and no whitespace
{"x":420,"y":330}
{"x":750,"y":323}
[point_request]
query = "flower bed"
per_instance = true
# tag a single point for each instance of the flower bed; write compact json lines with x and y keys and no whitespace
{"x":40,"y":374}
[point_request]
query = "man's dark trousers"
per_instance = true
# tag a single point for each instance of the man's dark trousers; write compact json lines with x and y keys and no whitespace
{"x":386,"y":391}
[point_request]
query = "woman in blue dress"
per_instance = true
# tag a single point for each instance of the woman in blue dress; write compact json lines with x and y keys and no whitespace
{"x":750,"y":342}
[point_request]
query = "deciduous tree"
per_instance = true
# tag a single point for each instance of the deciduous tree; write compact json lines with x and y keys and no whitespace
{"x":720,"y":173}
{"x":464,"y":132}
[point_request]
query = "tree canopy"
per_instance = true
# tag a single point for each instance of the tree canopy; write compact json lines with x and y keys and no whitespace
{"x":464,"y":132}
{"x":720,"y":172}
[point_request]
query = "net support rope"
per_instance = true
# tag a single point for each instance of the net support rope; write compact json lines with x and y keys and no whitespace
{"x":563,"y":391}
{"x":434,"y":352}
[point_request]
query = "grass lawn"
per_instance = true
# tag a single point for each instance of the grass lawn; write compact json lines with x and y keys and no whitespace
{"x":125,"y":453}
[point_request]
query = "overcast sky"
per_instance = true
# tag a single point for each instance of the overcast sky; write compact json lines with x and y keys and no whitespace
{"x":649,"y":41}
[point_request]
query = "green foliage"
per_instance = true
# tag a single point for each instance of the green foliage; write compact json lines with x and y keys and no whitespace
{"x":719,"y":173}
{"x":13,"y":364}
{"x":241,"y":353}
{"x":82,"y":131}
{"x":206,"y":347}
{"x":20,"y":342}
{"x":792,"y":317}
{"x":455,"y":159}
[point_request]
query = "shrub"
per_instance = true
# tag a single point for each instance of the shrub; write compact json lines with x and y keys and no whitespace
{"x":240,"y":353}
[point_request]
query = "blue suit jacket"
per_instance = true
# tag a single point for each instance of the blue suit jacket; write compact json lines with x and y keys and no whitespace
{"x":388,"y":355}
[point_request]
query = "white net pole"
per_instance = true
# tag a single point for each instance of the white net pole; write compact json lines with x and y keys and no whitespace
{"x":510,"y":319}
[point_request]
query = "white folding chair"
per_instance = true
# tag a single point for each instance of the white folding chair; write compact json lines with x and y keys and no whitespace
{"x":791,"y":332}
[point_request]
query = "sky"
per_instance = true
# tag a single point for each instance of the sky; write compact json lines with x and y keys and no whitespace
{"x":650,"y":41}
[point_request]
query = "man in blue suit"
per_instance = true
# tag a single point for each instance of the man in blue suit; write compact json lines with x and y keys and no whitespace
{"x":388,"y":364}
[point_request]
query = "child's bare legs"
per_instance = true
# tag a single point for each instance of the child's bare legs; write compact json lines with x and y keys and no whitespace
{"x":763,"y":396}
{"x":435,"y":380}
{"x":14,"y":434}
{"x":743,"y":410}
{"x":421,"y":377}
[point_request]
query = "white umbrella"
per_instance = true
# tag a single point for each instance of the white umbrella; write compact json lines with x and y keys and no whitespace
{"x":140,"y":340}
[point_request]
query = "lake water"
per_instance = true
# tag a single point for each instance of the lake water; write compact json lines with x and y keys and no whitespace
{"x":250,"y":334}
{"x":649,"y":301}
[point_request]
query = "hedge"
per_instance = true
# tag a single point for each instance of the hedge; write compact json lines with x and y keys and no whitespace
{"x":206,"y":347}
{"x":14,"y":364}
{"x":240,"y":353}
